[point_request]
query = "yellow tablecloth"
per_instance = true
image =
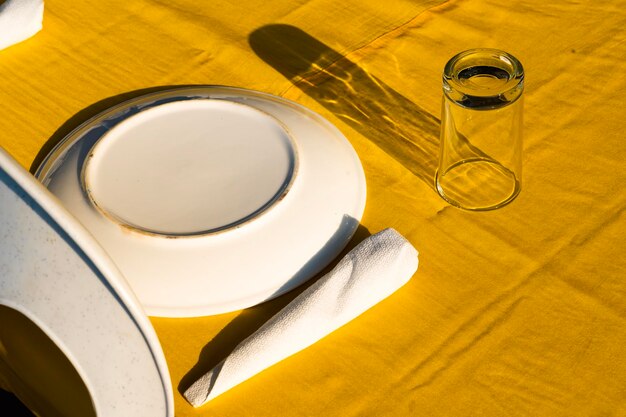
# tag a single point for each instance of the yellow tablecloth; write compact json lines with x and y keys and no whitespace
{"x":515,"y":312}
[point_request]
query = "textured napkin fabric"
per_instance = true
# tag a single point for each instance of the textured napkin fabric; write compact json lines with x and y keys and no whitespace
{"x":19,"y":20}
{"x":372,"y":271}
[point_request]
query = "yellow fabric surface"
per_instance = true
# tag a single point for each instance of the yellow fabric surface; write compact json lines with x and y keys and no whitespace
{"x":515,"y":312}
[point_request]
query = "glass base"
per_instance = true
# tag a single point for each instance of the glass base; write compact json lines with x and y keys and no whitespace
{"x":478,"y":184}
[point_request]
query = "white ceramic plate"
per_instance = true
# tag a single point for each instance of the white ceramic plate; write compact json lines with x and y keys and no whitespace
{"x":56,"y":279}
{"x":211,"y":199}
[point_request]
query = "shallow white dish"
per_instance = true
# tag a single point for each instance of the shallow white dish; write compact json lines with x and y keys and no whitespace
{"x":211,"y":199}
{"x":60,"y":292}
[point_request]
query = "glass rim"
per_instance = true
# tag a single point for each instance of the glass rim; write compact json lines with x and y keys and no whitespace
{"x":458,"y":70}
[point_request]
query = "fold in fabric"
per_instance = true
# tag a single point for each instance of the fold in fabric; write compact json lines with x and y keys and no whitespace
{"x":372,"y":271}
{"x":19,"y":20}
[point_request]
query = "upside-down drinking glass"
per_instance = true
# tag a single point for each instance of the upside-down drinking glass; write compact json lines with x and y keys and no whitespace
{"x":480,"y":163}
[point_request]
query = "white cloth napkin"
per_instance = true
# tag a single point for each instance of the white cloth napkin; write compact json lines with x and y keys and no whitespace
{"x":19,"y":20}
{"x":372,"y":271}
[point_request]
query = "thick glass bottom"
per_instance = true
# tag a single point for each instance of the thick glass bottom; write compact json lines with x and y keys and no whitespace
{"x":478,"y":184}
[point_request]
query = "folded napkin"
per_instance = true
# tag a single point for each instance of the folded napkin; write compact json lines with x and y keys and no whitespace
{"x":19,"y":20}
{"x":372,"y":271}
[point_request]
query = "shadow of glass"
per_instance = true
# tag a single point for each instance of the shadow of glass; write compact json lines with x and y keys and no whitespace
{"x":251,"y":319}
{"x":405,"y":131}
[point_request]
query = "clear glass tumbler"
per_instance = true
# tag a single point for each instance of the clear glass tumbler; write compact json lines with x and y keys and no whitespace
{"x":480,"y":164}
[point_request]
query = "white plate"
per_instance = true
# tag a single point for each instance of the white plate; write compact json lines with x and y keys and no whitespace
{"x":211,"y":199}
{"x":63,"y":293}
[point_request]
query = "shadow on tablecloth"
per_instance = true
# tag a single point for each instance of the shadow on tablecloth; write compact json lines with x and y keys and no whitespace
{"x":405,"y":131}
